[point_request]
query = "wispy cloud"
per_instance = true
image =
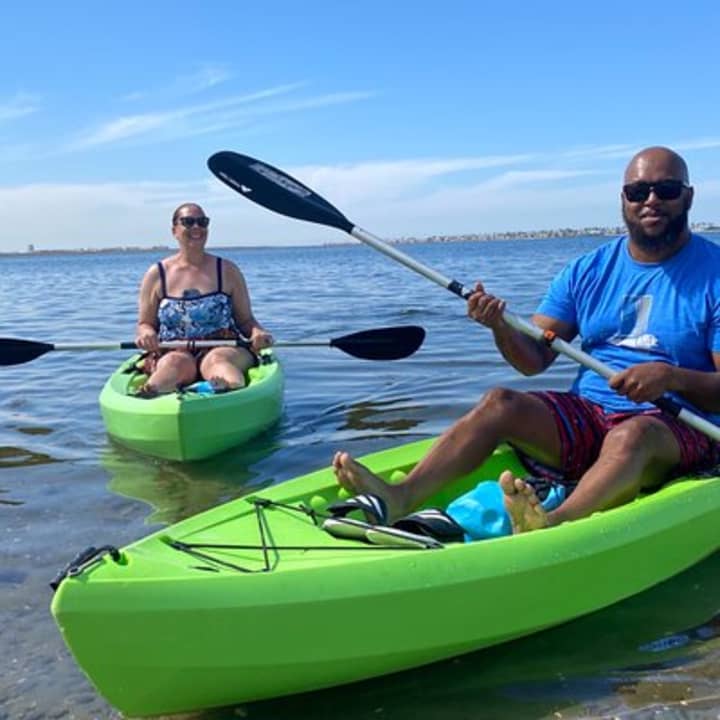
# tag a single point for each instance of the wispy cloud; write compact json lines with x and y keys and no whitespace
{"x":208,"y":75}
{"x":515,"y":179}
{"x":18,"y":106}
{"x":599,"y":151}
{"x":627,"y":150}
{"x":195,"y":119}
{"x":698,"y":144}
{"x":394,"y":179}
{"x":123,"y":128}
{"x":411,"y":197}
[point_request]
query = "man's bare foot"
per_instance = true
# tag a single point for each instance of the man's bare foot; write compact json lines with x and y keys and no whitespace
{"x":356,"y":478}
{"x":522,"y":504}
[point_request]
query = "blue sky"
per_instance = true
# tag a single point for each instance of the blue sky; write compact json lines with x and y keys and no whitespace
{"x":413,"y":118}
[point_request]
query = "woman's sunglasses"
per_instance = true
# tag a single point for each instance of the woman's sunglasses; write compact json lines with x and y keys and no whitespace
{"x":189,"y":221}
{"x":664,"y":190}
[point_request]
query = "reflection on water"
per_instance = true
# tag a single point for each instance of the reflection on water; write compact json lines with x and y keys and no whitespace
{"x":4,"y":501}
{"x":18,"y":457}
{"x":178,"y":490}
{"x":394,"y":415}
{"x":34,"y":430}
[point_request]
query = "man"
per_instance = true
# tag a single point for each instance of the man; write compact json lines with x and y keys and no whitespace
{"x":647,"y":304}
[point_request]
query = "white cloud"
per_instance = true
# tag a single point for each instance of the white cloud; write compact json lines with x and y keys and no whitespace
{"x":392,"y":180}
{"x":125,"y":127}
{"x":390,"y":199}
{"x":699,"y":144}
{"x":18,"y":106}
{"x":191,"y":120}
{"x":207,"y":76}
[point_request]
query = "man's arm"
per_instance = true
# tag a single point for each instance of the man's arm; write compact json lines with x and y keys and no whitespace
{"x":648,"y":381}
{"x":525,"y":354}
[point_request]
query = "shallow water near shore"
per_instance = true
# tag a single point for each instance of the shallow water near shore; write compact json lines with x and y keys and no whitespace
{"x":64,"y":485}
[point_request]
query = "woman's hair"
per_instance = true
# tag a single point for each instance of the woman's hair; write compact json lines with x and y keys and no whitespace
{"x":176,"y":214}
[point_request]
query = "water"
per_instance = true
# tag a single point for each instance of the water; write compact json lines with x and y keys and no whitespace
{"x":65,"y":486}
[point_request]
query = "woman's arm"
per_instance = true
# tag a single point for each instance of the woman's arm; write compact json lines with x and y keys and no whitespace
{"x":146,"y":332}
{"x":248,"y":324}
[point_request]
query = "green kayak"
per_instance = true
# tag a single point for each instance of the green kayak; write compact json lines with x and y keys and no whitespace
{"x":254,"y":599}
{"x":189,"y":425}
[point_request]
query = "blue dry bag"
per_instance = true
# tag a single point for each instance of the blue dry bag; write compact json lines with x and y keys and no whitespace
{"x":481,"y":511}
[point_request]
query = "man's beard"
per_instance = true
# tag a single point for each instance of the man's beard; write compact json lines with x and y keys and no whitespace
{"x":654,"y":243}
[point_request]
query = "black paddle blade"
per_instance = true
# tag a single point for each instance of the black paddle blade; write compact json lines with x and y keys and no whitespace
{"x":16,"y":352}
{"x":392,"y":343}
{"x":274,"y":189}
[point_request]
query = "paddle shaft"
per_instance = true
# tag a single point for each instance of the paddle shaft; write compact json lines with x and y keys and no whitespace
{"x":557,"y":344}
{"x":130,"y":345}
{"x":389,"y":343}
{"x":177,"y":344}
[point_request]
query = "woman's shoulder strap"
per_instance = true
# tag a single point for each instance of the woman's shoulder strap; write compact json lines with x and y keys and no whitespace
{"x":163,"y":284}
{"x":218,"y":264}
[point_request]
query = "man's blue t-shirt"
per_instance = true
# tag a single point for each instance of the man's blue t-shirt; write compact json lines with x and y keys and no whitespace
{"x":627,"y":312}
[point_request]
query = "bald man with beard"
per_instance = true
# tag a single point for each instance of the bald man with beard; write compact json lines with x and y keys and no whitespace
{"x":646,"y":304}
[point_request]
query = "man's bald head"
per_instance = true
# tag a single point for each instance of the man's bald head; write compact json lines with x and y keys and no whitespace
{"x":655,"y":163}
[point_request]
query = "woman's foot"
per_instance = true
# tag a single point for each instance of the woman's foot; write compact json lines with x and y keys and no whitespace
{"x":356,"y":479}
{"x":522,"y":504}
{"x":221,"y":385}
{"x":146,"y":391}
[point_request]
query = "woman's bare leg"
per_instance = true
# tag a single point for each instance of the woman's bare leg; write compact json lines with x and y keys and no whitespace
{"x":171,"y":370}
{"x":226,"y":366}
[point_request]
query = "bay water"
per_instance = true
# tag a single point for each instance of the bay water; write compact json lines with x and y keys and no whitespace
{"x":65,"y":486}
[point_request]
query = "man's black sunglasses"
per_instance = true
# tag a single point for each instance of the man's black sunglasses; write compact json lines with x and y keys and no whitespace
{"x":664,"y":190}
{"x":188,"y":221}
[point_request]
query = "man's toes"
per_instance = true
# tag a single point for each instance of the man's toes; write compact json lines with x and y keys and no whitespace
{"x":507,"y":482}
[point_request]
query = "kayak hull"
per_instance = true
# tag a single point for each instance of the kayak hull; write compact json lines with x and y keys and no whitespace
{"x":162,"y":630}
{"x":187,"y":425}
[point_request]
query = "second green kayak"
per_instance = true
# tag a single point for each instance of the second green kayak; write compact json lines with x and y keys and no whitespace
{"x":187,"y":425}
{"x":254,"y":599}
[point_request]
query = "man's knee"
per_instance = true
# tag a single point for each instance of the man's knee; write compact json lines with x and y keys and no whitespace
{"x":500,"y":405}
{"x":641,"y":436}
{"x":501,"y":399}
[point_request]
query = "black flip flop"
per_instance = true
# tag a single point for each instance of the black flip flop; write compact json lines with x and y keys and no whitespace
{"x":432,"y":522}
{"x":371,"y":506}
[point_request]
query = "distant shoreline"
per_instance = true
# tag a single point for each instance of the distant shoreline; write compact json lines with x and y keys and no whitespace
{"x":560,"y":233}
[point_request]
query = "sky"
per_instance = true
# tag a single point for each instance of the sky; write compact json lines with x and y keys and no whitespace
{"x":412,"y":118}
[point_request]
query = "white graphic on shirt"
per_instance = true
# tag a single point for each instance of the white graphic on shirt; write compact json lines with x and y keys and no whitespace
{"x":634,"y":320}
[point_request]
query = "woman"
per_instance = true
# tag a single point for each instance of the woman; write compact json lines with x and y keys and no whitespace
{"x":193,"y":295}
